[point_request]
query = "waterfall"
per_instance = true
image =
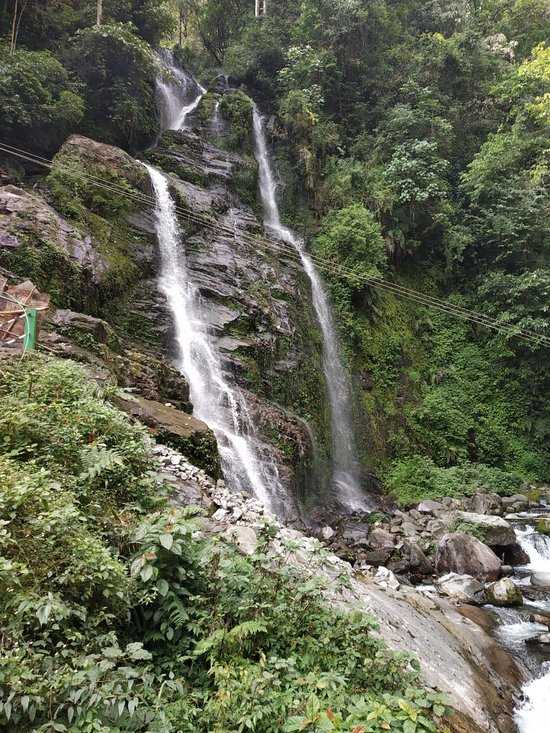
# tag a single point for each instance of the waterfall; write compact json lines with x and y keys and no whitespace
{"x":179,"y":94}
{"x":216,"y":123}
{"x":537,"y":546}
{"x":346,"y":469}
{"x":246,"y":463}
{"x":531,"y":716}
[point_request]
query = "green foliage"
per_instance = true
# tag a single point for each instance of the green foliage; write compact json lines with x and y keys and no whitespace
{"x":410,"y":480}
{"x":351,"y":237}
{"x":236,"y":108}
{"x":117,"y":616}
{"x":118,"y":70}
{"x":39,"y":102}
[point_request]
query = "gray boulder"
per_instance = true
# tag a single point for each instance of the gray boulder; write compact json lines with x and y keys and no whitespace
{"x":496,"y":530}
{"x":379,"y":538}
{"x":461,"y":553}
{"x":461,"y":587}
{"x":429,"y":507}
{"x":504,"y":593}
{"x":482,"y":503}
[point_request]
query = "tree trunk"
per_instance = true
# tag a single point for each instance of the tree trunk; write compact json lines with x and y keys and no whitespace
{"x":99,"y":15}
{"x":14,"y":26}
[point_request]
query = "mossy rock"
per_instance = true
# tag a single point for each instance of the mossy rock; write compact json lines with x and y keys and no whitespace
{"x":173,"y":427}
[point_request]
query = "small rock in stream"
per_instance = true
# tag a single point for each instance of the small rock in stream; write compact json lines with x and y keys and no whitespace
{"x":504,"y":593}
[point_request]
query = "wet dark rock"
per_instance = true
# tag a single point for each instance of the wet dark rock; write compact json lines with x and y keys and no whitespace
{"x":411,"y":561}
{"x":512,"y":554}
{"x":356,"y":534}
{"x":377,"y":557}
{"x":463,"y":554}
{"x":540,"y":640}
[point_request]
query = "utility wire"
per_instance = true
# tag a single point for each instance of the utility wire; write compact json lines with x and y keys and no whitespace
{"x":293,"y":252}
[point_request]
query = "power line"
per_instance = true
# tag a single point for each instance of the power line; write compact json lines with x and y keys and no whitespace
{"x":293,"y":252}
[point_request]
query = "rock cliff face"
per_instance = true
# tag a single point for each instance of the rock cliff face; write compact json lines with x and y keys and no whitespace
{"x":257,"y":299}
{"x":95,"y":218}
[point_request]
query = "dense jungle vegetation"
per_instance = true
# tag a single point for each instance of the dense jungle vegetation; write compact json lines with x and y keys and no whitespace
{"x":116,"y":617}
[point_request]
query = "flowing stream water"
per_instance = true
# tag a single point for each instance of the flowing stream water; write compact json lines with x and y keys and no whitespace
{"x":516,"y":633}
{"x":346,"y":468}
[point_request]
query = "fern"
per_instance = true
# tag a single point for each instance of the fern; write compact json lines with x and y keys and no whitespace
{"x":246,"y":630}
{"x":96,"y":460}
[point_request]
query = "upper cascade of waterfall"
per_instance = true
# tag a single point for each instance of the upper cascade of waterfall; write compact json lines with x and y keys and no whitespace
{"x":346,"y":477}
{"x":178,"y":92}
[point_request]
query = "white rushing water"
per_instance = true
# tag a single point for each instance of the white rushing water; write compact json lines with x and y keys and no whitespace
{"x":537,"y":546}
{"x":246,"y":465}
{"x":346,"y":469}
{"x":533,"y":714}
{"x":179,"y":94}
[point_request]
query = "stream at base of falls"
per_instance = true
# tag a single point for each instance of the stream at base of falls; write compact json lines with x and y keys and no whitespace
{"x":518,"y":630}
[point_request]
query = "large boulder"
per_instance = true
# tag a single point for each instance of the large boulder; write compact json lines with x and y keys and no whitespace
{"x":175,"y":428}
{"x":504,"y":593}
{"x":495,"y":530}
{"x":100,"y":159}
{"x":462,"y":553}
{"x":36,"y":242}
{"x":379,"y":538}
{"x":483,"y":503}
{"x":428,"y":506}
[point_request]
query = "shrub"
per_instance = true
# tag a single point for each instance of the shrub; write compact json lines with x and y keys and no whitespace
{"x":117,"y":616}
{"x":236,"y":108}
{"x":118,"y":70}
{"x":412,"y":479}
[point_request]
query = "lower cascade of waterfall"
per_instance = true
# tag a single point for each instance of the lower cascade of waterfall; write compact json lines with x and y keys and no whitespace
{"x":517,"y":630}
{"x":346,"y":469}
{"x":246,"y":463}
